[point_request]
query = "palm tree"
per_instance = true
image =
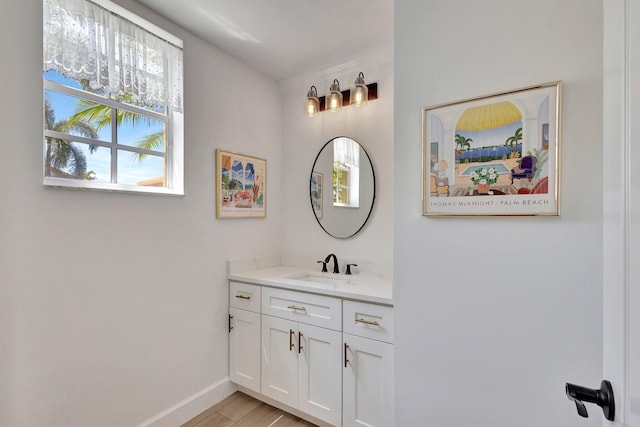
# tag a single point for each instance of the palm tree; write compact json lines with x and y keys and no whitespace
{"x":62,"y":154}
{"x":101,"y":115}
{"x":463,"y":143}
{"x":514,"y":139}
{"x":150,"y":142}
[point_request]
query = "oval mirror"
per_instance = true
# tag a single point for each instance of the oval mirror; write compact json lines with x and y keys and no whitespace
{"x":342,"y":187}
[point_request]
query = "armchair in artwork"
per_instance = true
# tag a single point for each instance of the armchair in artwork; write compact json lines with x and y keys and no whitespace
{"x":526,"y":168}
{"x":438,"y":187}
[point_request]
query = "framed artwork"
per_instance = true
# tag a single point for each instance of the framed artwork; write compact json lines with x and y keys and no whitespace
{"x":499,"y":154}
{"x":316,"y":193}
{"x":544,"y":134}
{"x":241,"y":185}
{"x":434,"y":154}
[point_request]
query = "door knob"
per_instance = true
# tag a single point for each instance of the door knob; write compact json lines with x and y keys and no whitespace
{"x":603,"y":397}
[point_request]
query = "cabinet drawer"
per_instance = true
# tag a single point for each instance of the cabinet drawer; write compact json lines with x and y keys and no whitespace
{"x":302,"y":307}
{"x":368,"y":320}
{"x":244,"y":296}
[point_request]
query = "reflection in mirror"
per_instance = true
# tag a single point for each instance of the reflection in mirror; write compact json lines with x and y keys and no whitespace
{"x":342,"y":187}
{"x":346,"y":173}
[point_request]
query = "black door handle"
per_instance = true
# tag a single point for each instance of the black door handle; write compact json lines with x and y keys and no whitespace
{"x":603,"y":397}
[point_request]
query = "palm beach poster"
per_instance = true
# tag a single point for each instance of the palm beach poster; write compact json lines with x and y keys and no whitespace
{"x":493,"y":155}
{"x":241,"y":185}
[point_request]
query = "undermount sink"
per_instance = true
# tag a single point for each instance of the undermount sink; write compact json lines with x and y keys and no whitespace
{"x":324,"y":278}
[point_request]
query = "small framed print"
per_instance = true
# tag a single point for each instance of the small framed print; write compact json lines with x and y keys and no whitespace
{"x":241,"y":185}
{"x":544,"y":134}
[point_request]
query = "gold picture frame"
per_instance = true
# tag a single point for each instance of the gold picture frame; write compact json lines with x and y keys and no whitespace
{"x":241,"y":185}
{"x":492,"y":159}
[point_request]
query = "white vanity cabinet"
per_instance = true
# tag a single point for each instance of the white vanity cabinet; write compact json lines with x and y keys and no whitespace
{"x":367,"y":382}
{"x":317,"y":353}
{"x":301,"y":361}
{"x":244,"y":335}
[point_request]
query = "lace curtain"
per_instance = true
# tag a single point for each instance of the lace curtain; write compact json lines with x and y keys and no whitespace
{"x":84,"y":41}
{"x":347,"y":152}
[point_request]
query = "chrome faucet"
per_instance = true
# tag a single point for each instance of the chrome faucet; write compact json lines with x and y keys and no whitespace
{"x":336,"y":269}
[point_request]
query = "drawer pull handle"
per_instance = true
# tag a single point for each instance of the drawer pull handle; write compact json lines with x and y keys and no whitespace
{"x":291,"y":333}
{"x":293,"y":307}
{"x":243,"y":297}
{"x":368,"y":322}
{"x":346,"y":359}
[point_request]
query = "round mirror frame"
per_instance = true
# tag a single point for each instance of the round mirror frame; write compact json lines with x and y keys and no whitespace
{"x":373,"y":198}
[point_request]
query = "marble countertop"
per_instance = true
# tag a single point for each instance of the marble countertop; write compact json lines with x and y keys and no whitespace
{"x":358,"y":286}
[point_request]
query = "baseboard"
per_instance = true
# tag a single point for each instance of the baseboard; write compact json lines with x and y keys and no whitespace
{"x":193,"y":405}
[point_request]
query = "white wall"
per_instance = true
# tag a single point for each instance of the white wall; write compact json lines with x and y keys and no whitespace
{"x":114,"y":305}
{"x":482,"y":339}
{"x":302,"y":139}
{"x":488,"y":337}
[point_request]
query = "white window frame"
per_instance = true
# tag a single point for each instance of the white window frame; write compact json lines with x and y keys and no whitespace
{"x":174,"y":136}
{"x":337,"y":186}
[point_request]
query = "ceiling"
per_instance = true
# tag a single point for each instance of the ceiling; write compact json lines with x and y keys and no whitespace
{"x":282,"y":38}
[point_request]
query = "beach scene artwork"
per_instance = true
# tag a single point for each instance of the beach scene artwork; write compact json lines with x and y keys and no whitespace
{"x":240,"y":186}
{"x":495,"y":155}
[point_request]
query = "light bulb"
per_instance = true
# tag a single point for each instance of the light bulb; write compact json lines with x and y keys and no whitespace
{"x":360,"y":92}
{"x":312,"y":106}
{"x":335,"y":97}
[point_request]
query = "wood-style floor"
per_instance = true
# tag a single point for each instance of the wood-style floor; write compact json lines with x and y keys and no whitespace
{"x":240,"y":410}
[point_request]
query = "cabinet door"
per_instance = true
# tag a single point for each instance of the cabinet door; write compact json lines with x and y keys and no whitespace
{"x":320,"y":373}
{"x":367,"y":383}
{"x":244,"y":348}
{"x":279,"y":359}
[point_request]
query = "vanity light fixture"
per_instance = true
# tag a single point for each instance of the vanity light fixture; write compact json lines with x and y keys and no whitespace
{"x":357,"y":96}
{"x":360,"y":93}
{"x":312,"y":106}
{"x":334,"y":100}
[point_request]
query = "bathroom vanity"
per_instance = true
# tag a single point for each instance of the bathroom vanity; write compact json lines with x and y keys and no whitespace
{"x":319,"y":345}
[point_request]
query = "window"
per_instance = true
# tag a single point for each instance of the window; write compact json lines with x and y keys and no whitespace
{"x":340,"y":184}
{"x":113,"y":117}
{"x":346,"y":173}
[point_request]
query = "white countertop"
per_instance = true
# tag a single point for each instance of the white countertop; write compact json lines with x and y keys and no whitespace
{"x":359,"y":286}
